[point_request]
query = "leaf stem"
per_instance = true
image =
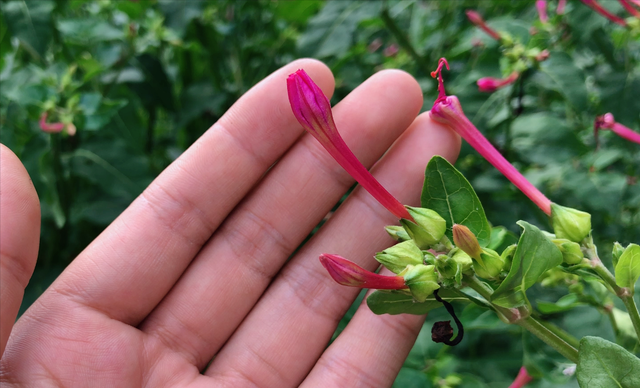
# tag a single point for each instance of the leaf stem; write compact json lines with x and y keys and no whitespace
{"x":550,"y":338}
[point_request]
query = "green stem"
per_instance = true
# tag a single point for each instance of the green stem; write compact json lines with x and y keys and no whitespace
{"x":403,"y":41}
{"x":568,"y":338}
{"x":632,"y":309}
{"x":550,"y":338}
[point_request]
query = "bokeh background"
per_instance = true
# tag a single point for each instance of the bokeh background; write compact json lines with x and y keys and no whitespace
{"x":142,"y":80}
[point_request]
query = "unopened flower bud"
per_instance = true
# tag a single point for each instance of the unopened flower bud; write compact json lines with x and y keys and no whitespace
{"x":422,"y":281}
{"x":428,"y":229}
{"x":446,"y":266}
{"x":571,"y":252}
{"x":507,"y":256}
{"x":618,"y":250}
{"x":348,"y":273}
{"x":429,"y":258}
{"x":464,"y":239}
{"x":397,"y":233}
{"x":397,"y":257}
{"x":572,"y":224}
{"x":492,"y":264}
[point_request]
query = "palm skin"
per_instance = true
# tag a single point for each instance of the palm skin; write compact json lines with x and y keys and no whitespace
{"x":192,"y":286}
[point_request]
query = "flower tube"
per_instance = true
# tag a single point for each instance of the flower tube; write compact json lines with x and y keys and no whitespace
{"x":561,"y":5}
{"x":490,"y":84}
{"x":593,"y":4}
{"x":447,"y":110}
{"x":49,"y":127}
{"x":607,"y":121}
{"x":522,"y":379}
{"x":476,"y":19}
{"x":348,"y":273}
{"x":629,"y":8}
{"x":313,"y":110}
{"x":541,"y":6}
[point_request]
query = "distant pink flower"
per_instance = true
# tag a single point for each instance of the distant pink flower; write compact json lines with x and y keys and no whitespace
{"x":607,"y":121}
{"x":391,"y":50}
{"x":543,"y":56}
{"x":476,"y":19}
{"x":375,"y":45}
{"x":522,"y":379}
{"x":49,"y":127}
{"x":447,"y":110}
{"x":490,"y":84}
{"x":561,"y":5}
{"x":630,"y":8}
{"x":313,"y":110}
{"x":593,"y":4}
{"x":541,"y":5}
{"x":348,"y":273}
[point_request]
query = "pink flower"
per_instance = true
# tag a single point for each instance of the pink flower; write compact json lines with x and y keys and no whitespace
{"x":541,"y":5}
{"x":49,"y":127}
{"x":561,"y":5}
{"x":602,"y":11}
{"x":391,"y":50}
{"x":522,"y":379}
{"x":490,"y":84}
{"x":607,"y":121}
{"x":447,"y":110}
{"x":476,"y":19}
{"x":630,"y":8}
{"x":348,"y":273}
{"x":313,"y":110}
{"x":543,"y":56}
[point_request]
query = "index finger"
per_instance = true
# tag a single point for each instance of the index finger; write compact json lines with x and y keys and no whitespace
{"x":129,"y":268}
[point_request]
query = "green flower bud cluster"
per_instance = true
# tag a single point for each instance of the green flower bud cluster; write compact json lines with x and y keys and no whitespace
{"x":571,"y":224}
{"x":428,"y":228}
{"x":422,"y":280}
{"x":571,"y":252}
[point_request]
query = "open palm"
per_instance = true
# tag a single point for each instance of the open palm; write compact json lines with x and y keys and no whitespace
{"x":192,"y":286}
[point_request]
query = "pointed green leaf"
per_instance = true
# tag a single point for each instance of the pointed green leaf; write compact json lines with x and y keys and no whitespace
{"x":449,"y":193}
{"x":603,"y":364}
{"x":394,"y":302}
{"x":534,"y":255}
{"x":628,"y":267}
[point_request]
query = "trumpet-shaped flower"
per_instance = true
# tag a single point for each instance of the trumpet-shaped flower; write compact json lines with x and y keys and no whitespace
{"x":630,"y":8}
{"x":313,"y":110}
{"x":522,"y":379}
{"x":561,"y":5}
{"x":541,"y":6}
{"x":593,"y":4}
{"x":607,"y":121}
{"x":49,"y":127}
{"x":348,"y":273}
{"x":447,"y":110}
{"x":476,"y":19}
{"x":490,"y":84}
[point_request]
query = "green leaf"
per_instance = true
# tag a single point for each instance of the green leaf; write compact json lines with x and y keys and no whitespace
{"x":628,"y":267}
{"x":449,"y":193}
{"x":603,"y":364}
{"x":565,"y":303}
{"x":88,"y":31}
{"x":501,"y":238}
{"x":566,"y":78}
{"x":395,"y":302}
{"x":534,"y":255}
{"x":30,"y":22}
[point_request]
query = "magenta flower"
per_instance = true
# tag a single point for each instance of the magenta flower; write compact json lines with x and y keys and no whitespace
{"x":541,"y":5}
{"x":476,"y":19}
{"x":607,"y":121}
{"x":561,"y":5}
{"x":630,"y":8}
{"x":49,"y":127}
{"x":447,"y":110}
{"x":522,"y":379}
{"x":490,"y":84}
{"x":313,"y":110}
{"x":348,"y":273}
{"x":593,"y":4}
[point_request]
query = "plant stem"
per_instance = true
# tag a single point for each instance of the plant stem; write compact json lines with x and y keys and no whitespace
{"x":402,"y":39}
{"x":547,"y":336}
{"x":632,"y":309}
{"x":568,"y":338}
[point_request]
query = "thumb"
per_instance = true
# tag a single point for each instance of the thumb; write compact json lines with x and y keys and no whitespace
{"x":19,"y":237}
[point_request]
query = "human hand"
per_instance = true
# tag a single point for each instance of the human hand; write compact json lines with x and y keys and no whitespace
{"x":196,"y":268}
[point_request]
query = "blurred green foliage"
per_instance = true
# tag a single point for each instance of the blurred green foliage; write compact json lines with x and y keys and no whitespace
{"x":142,"y":80}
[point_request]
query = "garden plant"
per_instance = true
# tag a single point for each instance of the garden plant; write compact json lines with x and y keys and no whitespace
{"x":523,"y":253}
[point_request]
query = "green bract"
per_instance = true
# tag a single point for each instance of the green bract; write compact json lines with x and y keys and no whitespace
{"x":570,"y":224}
{"x":397,"y":257}
{"x":428,"y":229}
{"x":422,"y":281}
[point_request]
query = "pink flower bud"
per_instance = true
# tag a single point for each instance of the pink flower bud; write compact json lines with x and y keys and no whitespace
{"x":543,"y":56}
{"x":447,"y":110}
{"x":313,"y":110}
{"x":391,"y":50}
{"x":593,"y":4}
{"x":522,"y":379}
{"x":476,"y":19}
{"x":607,"y":121}
{"x":490,"y":84}
{"x":541,"y":6}
{"x":49,"y":127}
{"x":464,"y":239}
{"x":561,"y":5}
{"x":348,"y":273}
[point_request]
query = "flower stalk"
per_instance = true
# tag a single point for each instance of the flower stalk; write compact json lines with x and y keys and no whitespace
{"x":593,"y":4}
{"x":607,"y":121}
{"x":476,"y":19}
{"x":491,"y":84}
{"x":313,"y":110}
{"x":629,"y":8}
